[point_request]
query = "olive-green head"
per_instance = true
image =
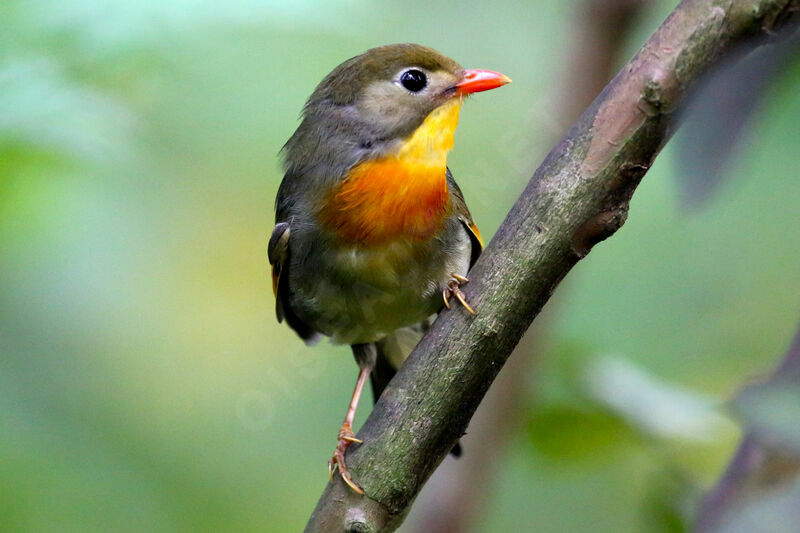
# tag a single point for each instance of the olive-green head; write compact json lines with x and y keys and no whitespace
{"x":393,"y":87}
{"x":374,"y":100}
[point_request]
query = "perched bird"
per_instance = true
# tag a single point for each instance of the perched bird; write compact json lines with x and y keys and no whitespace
{"x":372,"y":234}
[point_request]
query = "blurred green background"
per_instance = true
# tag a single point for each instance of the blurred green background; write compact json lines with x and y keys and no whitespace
{"x":144,"y":382}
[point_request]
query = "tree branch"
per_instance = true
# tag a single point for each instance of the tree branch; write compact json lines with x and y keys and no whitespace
{"x":455,"y":495}
{"x":576,"y":198}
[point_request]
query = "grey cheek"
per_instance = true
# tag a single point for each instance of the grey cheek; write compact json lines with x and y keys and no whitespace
{"x":389,"y":112}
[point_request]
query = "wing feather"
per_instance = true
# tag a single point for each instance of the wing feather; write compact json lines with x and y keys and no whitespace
{"x":463,"y":214}
{"x":278,"y":252}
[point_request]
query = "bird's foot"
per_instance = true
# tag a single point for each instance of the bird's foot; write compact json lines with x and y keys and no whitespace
{"x":346,"y":438}
{"x":453,"y":289}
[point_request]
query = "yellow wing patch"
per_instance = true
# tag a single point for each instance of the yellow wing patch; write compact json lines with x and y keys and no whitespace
{"x":477,"y":233}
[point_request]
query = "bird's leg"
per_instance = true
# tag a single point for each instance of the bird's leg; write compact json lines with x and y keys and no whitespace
{"x":365,"y":357}
{"x":453,"y":289}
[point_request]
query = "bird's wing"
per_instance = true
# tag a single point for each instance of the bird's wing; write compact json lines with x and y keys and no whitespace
{"x":463,"y":214}
{"x":278,"y":252}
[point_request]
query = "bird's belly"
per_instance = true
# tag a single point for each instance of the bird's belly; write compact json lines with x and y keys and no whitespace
{"x":367,"y":293}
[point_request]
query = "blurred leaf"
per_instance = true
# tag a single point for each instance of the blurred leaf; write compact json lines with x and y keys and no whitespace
{"x":112,"y":26}
{"x":668,"y":502}
{"x":45,"y":110}
{"x":771,"y":412}
{"x":657,"y":408}
{"x":719,"y":113}
{"x":566,"y":432}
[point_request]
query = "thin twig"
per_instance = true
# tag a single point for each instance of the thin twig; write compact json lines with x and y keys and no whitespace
{"x":756,"y":466}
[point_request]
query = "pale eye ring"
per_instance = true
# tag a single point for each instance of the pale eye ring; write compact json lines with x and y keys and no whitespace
{"x":413,"y":80}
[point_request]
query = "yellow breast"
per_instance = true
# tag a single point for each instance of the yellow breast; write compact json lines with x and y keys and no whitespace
{"x":402,"y":195}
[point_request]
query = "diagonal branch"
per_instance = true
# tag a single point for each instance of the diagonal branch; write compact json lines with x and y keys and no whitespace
{"x":454,"y":497}
{"x":576,"y":198}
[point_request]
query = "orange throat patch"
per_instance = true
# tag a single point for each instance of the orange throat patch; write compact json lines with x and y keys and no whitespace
{"x":400,"y":196}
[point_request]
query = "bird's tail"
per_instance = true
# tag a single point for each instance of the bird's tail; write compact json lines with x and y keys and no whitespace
{"x":392,"y":352}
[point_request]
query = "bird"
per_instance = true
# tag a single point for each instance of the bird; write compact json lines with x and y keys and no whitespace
{"x":372,"y":236}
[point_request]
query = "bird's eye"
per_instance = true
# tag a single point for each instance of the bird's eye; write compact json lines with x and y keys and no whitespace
{"x":414,"y":80}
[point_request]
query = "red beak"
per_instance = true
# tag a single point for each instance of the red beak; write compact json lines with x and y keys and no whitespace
{"x":475,"y":81}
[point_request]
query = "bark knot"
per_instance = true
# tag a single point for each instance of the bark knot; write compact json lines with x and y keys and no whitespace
{"x":598,"y":228}
{"x":651,"y":100}
{"x":357,"y":521}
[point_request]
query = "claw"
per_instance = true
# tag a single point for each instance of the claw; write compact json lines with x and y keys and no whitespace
{"x":337,"y":461}
{"x":461,"y":279}
{"x":346,"y":477}
{"x":460,"y":296}
{"x":453,"y":289}
{"x":346,"y":438}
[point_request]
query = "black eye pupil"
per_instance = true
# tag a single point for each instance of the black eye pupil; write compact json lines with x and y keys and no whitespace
{"x":414,"y":80}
